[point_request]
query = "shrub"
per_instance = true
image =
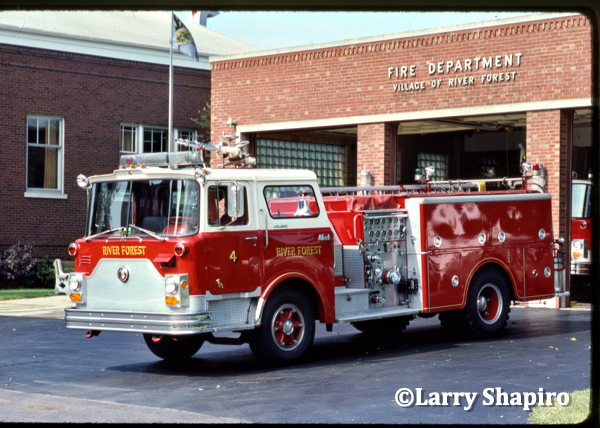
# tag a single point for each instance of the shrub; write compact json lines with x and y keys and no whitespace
{"x":19,"y":269}
{"x":44,"y":273}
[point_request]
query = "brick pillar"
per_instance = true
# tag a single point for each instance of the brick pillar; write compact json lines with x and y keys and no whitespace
{"x":548,"y":143}
{"x":376,"y":148}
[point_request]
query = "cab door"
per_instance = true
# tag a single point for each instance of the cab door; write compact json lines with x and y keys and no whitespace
{"x":234,"y":251}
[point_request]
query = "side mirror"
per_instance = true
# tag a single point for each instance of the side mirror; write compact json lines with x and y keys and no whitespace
{"x":235,"y":200}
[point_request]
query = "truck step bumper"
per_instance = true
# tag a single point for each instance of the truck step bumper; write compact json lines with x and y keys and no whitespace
{"x":139,"y":322}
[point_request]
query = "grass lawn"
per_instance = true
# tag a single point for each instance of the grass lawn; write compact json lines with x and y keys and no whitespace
{"x":575,"y":412}
{"x":25,"y":293}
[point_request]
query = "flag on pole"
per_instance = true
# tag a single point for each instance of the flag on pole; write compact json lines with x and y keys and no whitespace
{"x":182,"y":39}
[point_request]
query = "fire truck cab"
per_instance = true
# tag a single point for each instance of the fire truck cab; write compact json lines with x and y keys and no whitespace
{"x":180,"y":252}
{"x":581,"y":227}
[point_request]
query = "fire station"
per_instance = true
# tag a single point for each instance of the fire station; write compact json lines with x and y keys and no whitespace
{"x":471,"y":100}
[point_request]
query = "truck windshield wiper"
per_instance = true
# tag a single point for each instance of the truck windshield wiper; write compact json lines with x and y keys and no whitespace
{"x":120,"y":229}
{"x":152,"y":234}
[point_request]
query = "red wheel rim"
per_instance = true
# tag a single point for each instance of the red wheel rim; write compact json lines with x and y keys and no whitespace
{"x":287,"y":327}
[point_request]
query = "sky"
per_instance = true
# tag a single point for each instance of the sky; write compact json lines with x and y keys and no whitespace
{"x":274,"y":30}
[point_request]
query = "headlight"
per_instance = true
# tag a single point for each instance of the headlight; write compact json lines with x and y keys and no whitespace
{"x":578,"y":245}
{"x":74,"y":283}
{"x":83,"y":181}
{"x":177,"y":290}
{"x":171,"y":285}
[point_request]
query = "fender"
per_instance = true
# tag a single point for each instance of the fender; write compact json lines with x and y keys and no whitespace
{"x":268,"y":289}
{"x":489,"y":260}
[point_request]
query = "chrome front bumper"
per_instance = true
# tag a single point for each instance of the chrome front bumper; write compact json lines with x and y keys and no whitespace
{"x":581,"y":268}
{"x":139,"y":322}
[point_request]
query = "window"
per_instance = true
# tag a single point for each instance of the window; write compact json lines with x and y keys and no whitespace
{"x":581,"y":201}
{"x":129,"y":139}
{"x":44,"y":153}
{"x":291,"y":201}
{"x":435,"y":160}
{"x":150,"y":139}
{"x":165,"y":207}
{"x":217,"y":208}
{"x":328,"y":161}
{"x":155,"y":140}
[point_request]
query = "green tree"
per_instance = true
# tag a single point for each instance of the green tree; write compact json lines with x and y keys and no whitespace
{"x":203,"y":121}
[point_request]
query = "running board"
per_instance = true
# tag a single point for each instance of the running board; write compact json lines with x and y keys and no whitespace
{"x":375,"y":314}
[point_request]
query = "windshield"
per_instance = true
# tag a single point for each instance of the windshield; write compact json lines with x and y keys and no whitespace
{"x":163,"y":207}
{"x":581,"y":201}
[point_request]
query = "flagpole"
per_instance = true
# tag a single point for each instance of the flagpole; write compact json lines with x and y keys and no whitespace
{"x":170,"y":140}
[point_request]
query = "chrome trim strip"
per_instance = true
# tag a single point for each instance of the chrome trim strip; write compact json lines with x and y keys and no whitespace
{"x":172,"y":323}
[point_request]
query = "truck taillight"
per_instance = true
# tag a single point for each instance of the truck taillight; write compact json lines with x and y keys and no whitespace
{"x":72,"y":249}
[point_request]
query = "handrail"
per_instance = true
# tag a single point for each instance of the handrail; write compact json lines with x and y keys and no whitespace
{"x":266,"y":228}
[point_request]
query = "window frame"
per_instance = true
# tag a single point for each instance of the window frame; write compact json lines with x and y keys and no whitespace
{"x":41,"y":192}
{"x":270,"y":211}
{"x":245,"y":221}
{"x":139,"y":138}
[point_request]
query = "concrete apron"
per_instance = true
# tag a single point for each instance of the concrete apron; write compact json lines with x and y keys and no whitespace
{"x":38,"y":307}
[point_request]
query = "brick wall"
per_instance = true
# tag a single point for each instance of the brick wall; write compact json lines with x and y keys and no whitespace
{"x":376,"y":145}
{"x":547,"y":134}
{"x":93,"y":95}
{"x":344,"y":81}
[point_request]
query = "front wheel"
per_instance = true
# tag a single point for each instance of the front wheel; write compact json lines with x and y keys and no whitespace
{"x":173,"y":348}
{"x":287,"y":330}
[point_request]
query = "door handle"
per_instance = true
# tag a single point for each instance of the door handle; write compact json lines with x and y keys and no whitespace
{"x":252,"y":238}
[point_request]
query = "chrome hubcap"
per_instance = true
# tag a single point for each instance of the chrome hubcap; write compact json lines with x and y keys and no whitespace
{"x":490,"y":303}
{"x":287,"y":327}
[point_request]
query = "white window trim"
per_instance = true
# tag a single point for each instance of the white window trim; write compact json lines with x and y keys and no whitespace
{"x":140,"y":137}
{"x":41,"y":193}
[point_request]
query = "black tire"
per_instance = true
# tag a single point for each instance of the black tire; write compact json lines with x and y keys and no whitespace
{"x":287,"y":330}
{"x":453,"y":322}
{"x":383,"y":326}
{"x":486,"y":311}
{"x":174,"y":348}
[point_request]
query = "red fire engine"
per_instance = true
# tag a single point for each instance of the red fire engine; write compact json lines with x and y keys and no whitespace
{"x":581,"y":227}
{"x":180,"y":252}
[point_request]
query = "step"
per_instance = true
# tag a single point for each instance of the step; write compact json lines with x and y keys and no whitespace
{"x":374,"y":314}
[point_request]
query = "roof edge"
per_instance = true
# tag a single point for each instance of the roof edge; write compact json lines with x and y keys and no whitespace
{"x":406,"y":34}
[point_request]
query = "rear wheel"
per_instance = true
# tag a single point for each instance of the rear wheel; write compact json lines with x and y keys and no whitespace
{"x":173,"y":347}
{"x":487,"y":308}
{"x":287,"y":330}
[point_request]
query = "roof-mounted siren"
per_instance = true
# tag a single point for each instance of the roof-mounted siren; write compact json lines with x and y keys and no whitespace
{"x":234,"y":153}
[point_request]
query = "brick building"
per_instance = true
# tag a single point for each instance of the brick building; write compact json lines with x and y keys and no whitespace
{"x":77,"y":89}
{"x":469,"y":99}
